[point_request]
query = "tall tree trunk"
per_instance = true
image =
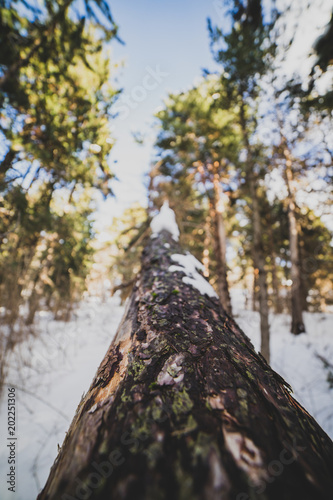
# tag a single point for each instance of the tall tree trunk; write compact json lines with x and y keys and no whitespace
{"x":258,"y":251}
{"x":255,"y":287}
{"x":220,"y":238}
{"x":304,"y":270}
{"x":221,"y":247}
{"x":182,"y":407}
{"x":207,"y":244}
{"x":297,"y":324}
{"x":259,"y":261}
{"x":275,"y":282}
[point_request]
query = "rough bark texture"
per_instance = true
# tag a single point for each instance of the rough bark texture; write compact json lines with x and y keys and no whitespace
{"x":276,"y":299}
{"x":220,"y":237}
{"x":297,"y":323}
{"x":183,"y":408}
{"x":259,"y":261}
{"x":221,"y":248}
{"x":258,"y":251}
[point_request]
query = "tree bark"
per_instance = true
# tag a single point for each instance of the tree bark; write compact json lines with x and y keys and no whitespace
{"x":259,"y":261}
{"x":297,"y":323}
{"x":220,"y":237}
{"x":182,"y":407}
{"x":276,"y":299}
{"x":221,"y":247}
{"x":207,"y":244}
{"x":258,"y":251}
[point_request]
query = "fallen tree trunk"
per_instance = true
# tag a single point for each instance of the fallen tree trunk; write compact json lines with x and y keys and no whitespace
{"x":182,"y":407}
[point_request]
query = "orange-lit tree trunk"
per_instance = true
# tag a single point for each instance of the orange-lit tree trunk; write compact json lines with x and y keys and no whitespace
{"x":221,"y":246}
{"x":217,"y":210}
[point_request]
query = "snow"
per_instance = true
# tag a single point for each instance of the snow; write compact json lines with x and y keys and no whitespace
{"x":295,"y":358}
{"x":52,"y":371}
{"x":165,"y":220}
{"x":190,"y":266}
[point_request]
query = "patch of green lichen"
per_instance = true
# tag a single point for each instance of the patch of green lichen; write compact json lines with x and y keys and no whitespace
{"x":185,"y":482}
{"x":126,"y":398}
{"x":242,"y":400}
{"x":189,"y":426}
{"x":153,"y":452}
{"x":182,"y":403}
{"x":157,"y":345}
{"x":141,"y":427}
{"x":208,"y":405}
{"x":157,"y":412}
{"x":314,"y":439}
{"x":250,"y":375}
{"x":103,"y":448}
{"x":136,"y":368}
{"x":241,"y":393}
{"x":153,"y":386}
{"x":201,"y":447}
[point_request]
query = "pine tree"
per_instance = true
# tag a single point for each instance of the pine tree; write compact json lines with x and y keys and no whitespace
{"x":199,"y":141}
{"x":244,"y":53}
{"x":55,"y":101}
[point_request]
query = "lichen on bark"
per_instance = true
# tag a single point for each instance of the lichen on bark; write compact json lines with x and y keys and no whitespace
{"x":183,"y":407}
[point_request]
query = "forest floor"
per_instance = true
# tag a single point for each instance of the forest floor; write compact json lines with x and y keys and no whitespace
{"x":53,"y":369}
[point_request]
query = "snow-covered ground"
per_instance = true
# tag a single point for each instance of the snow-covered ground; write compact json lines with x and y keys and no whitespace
{"x":52,"y":371}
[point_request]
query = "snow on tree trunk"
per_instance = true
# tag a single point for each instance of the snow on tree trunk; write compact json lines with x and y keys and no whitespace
{"x":182,"y":407}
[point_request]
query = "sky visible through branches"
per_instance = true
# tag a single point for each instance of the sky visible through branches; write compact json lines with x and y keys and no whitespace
{"x":166,"y":50}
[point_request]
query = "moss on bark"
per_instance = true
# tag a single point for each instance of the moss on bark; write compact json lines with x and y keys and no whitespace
{"x":183,"y":407}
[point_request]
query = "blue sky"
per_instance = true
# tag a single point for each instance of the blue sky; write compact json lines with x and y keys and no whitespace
{"x":169,"y":38}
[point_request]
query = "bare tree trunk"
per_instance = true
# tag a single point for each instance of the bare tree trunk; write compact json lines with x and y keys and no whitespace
{"x":259,"y":261}
{"x":275,"y":287}
{"x":207,"y":244}
{"x":258,"y":251}
{"x":221,"y":247}
{"x":220,"y":238}
{"x":297,"y":323}
{"x":254,"y":287}
{"x":275,"y":282}
{"x":182,"y":407}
